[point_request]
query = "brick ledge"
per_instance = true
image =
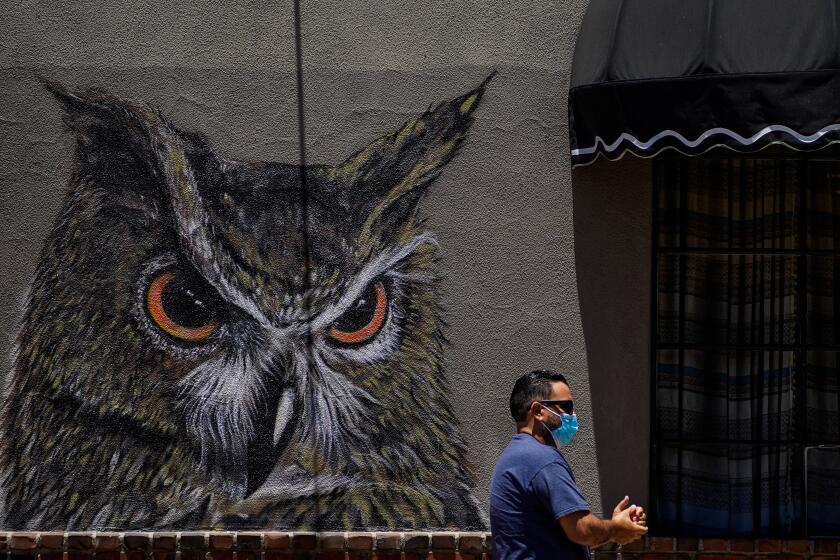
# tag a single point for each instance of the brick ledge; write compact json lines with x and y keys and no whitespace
{"x":395,"y":545}
{"x":245,"y":545}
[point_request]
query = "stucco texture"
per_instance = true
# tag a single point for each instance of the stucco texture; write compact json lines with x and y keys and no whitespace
{"x":540,"y":271}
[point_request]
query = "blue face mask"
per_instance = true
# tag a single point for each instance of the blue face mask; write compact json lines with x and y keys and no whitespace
{"x":565,"y":432}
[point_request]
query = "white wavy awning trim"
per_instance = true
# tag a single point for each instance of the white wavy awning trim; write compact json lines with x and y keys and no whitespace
{"x":746,"y":141}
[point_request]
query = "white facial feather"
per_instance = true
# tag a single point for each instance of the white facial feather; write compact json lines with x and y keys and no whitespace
{"x":220,"y":400}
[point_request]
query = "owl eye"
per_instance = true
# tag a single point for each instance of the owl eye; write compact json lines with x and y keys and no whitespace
{"x":364,"y":318}
{"x":183,"y":306}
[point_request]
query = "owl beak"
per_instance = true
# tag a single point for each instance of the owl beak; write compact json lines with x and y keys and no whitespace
{"x":271,"y":437}
{"x":284,"y":414}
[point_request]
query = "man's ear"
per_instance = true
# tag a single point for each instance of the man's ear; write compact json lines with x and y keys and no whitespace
{"x":537,"y":411}
{"x":387,"y":178}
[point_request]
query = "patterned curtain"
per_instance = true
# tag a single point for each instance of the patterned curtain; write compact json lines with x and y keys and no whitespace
{"x":734,"y":279}
{"x":822,"y":360}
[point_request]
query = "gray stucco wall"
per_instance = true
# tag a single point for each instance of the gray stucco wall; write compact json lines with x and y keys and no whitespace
{"x":542,"y":267}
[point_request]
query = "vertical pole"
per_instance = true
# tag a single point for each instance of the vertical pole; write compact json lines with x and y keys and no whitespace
{"x":681,"y":340}
{"x":304,"y":204}
{"x":800,"y":396}
{"x":658,"y":173}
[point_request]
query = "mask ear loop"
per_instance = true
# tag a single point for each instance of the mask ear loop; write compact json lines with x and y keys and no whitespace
{"x":560,"y":416}
{"x":548,"y":409}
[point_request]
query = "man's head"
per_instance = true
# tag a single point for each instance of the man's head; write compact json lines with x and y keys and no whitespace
{"x":531,"y":388}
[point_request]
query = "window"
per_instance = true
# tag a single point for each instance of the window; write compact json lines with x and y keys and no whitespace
{"x":746,"y":346}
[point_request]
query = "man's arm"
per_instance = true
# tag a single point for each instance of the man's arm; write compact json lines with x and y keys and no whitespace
{"x":627,"y":525}
{"x":587,"y":529}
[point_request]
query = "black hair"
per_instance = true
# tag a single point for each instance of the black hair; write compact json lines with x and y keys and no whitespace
{"x":533,"y":386}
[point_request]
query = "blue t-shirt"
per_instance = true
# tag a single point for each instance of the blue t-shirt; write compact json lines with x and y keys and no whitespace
{"x":532,"y":487}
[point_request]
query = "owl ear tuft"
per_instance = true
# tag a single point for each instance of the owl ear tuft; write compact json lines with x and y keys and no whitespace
{"x":113,"y":137}
{"x":61,"y":92}
{"x":388,"y":177}
{"x":133,"y":151}
{"x":124,"y":144}
{"x":96,"y":112}
{"x":118,"y":145}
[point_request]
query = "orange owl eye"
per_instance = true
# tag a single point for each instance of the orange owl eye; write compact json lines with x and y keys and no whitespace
{"x":364,"y":318}
{"x":183,"y":306}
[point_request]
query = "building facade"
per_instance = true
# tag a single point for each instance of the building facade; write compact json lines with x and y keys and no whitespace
{"x":440,"y":245}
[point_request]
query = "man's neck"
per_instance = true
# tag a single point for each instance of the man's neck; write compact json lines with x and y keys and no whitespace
{"x":533,"y":431}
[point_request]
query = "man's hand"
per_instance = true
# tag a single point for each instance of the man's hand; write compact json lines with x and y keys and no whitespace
{"x":627,"y":525}
{"x":638,"y":516}
{"x":630,"y":522}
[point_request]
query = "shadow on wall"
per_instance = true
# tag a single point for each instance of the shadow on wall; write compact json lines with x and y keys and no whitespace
{"x":612,"y":226}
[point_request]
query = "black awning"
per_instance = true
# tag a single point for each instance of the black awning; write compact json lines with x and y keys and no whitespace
{"x":694,"y":74}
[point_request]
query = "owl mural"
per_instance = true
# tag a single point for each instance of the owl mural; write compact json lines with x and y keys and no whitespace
{"x":210,"y":343}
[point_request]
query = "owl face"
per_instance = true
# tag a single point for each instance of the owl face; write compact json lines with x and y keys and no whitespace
{"x":275,"y":326}
{"x":286,"y":325}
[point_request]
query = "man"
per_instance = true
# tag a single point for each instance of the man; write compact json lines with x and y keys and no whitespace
{"x":536,"y":509}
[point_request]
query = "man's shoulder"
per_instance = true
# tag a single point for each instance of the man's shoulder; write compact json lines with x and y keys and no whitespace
{"x":527,"y":456}
{"x":525,"y":444}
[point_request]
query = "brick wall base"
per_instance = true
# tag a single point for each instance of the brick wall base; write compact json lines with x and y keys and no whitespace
{"x":245,"y":546}
{"x":370,"y":546}
{"x":668,"y":548}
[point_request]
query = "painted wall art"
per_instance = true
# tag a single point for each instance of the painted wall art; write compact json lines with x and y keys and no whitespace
{"x":210,"y":343}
